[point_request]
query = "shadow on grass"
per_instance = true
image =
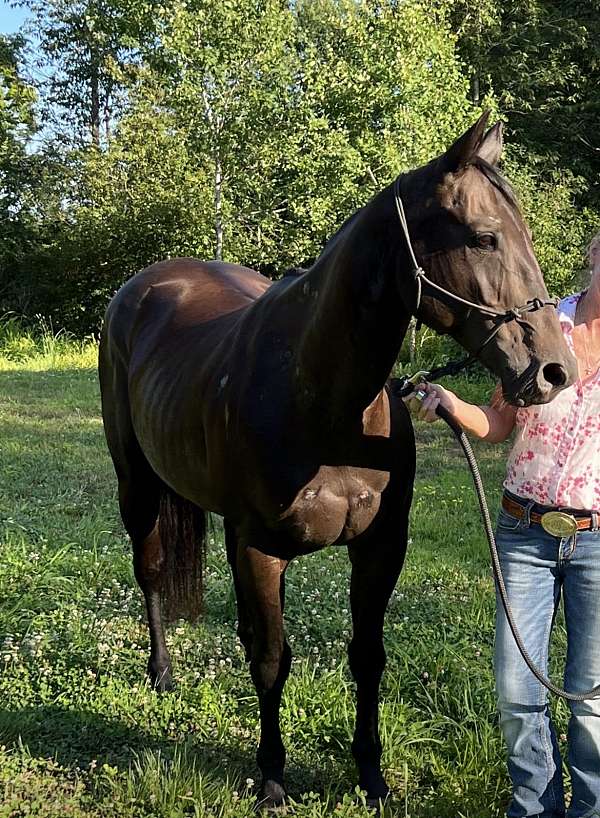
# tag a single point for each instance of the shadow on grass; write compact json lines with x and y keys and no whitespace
{"x":76,"y":738}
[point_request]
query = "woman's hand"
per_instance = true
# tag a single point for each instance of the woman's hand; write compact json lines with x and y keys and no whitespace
{"x":492,"y":423}
{"x":434,"y":396}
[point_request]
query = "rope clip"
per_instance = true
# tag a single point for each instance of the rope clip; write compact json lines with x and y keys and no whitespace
{"x":408,"y":384}
{"x":419,"y":376}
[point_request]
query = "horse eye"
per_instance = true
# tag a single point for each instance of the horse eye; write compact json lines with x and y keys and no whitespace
{"x":485,"y":241}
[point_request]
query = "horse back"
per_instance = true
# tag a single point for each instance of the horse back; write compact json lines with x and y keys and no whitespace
{"x":181,"y":292}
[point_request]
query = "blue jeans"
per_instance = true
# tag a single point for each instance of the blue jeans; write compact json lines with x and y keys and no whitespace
{"x":538,"y":568}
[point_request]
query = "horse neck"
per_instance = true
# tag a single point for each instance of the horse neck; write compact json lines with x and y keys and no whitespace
{"x":357,"y":320}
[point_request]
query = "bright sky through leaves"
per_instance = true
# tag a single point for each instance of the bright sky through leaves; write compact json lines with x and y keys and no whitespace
{"x":10,"y":19}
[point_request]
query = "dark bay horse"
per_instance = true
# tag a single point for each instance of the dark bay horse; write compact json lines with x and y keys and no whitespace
{"x":267,"y":403}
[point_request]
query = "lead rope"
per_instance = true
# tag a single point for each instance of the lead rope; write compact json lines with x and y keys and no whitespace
{"x":465,"y":445}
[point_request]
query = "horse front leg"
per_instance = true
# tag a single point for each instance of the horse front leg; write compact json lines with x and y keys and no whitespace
{"x":260,"y":579}
{"x":375,"y":570}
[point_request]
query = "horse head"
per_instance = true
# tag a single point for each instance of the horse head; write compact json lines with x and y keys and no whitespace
{"x":471,"y":241}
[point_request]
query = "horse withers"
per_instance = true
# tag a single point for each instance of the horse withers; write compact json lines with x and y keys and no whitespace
{"x":266,"y":402}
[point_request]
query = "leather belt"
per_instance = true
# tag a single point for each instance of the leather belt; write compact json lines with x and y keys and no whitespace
{"x":582,"y":522}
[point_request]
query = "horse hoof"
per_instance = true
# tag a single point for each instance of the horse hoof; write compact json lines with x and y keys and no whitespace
{"x":377,"y":798}
{"x":271,"y":795}
{"x":161,"y":679}
{"x":376,"y":804}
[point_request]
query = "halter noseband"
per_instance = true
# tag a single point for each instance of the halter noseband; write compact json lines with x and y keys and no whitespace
{"x":425,"y":285}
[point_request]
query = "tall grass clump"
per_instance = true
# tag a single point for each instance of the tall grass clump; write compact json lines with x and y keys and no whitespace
{"x":37,"y":345}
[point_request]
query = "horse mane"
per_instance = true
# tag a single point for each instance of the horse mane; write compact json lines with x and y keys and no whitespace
{"x":294,"y":272}
{"x":494,"y":176}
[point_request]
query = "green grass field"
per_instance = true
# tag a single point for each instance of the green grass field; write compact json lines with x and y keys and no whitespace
{"x":82,"y":734}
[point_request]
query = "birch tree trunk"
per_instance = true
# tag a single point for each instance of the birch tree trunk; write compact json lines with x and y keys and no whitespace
{"x":95,"y":105}
{"x":218,"y":207}
{"x":95,"y":100}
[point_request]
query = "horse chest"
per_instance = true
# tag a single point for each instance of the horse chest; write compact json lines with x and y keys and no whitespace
{"x":336,"y":506}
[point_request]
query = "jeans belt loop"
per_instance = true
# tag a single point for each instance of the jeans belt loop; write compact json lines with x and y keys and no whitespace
{"x":527,"y":514}
{"x":594,"y":516}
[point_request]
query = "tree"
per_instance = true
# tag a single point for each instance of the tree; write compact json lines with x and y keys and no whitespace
{"x":88,"y":53}
{"x":253,"y":154}
{"x":227,"y":71}
{"x":251,"y":130}
{"x":17,"y":126}
{"x":541,"y":58}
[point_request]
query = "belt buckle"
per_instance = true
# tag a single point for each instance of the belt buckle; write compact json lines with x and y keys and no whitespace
{"x":559,"y":524}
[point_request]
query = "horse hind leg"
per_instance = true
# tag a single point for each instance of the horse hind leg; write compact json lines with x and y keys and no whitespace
{"x":167,"y":533}
{"x":140,"y":517}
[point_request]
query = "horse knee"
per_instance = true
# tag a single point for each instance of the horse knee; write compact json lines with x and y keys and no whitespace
{"x":244,"y":633}
{"x":149,"y":560}
{"x":270,"y":669}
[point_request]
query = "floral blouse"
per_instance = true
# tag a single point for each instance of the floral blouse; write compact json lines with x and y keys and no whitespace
{"x":555,"y":459}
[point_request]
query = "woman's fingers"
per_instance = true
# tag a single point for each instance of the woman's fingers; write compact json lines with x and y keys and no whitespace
{"x":423,"y":402}
{"x":429,"y":406}
{"x":414,"y":399}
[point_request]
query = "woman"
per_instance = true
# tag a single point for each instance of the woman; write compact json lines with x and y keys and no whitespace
{"x":554,"y":463}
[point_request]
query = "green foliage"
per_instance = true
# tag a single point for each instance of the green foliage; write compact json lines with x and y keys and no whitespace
{"x":369,"y":107}
{"x":541,"y":60}
{"x":251,"y":131}
{"x":254,"y":154}
{"x":17,"y":126}
{"x":560,"y":228}
{"x":87,"y":55}
{"x":16,"y":97}
{"x":138,"y":202}
{"x":231,"y":103}
{"x":22,"y":344}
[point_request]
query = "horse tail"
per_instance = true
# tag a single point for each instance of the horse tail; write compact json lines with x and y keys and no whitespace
{"x":182,"y":529}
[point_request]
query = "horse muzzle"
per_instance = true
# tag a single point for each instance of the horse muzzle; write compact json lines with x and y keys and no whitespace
{"x":541,"y":382}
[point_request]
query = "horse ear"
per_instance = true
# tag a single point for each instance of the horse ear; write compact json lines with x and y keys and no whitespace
{"x":466,"y":146}
{"x":491,"y":145}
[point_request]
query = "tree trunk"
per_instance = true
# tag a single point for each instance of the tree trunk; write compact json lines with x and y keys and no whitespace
{"x":106,"y":113}
{"x":218,"y":207}
{"x":412,"y":343}
{"x":214,"y":122}
{"x":94,"y":99}
{"x":475,"y":89}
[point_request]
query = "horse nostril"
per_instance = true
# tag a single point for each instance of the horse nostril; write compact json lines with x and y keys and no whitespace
{"x":555,"y":374}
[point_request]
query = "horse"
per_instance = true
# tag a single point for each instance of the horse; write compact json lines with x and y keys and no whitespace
{"x":267,"y":402}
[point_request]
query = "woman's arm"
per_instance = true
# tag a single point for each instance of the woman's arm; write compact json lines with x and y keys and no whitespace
{"x":493,"y":422}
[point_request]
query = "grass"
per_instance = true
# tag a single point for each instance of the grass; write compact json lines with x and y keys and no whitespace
{"x":81,"y":733}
